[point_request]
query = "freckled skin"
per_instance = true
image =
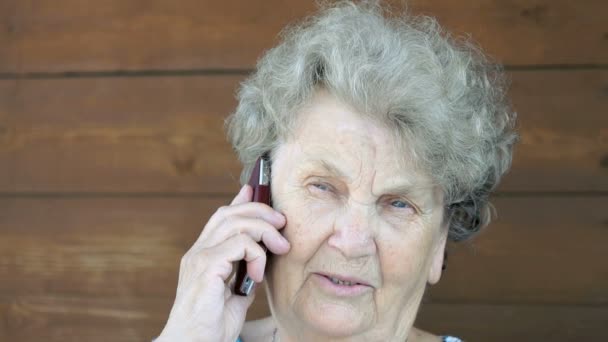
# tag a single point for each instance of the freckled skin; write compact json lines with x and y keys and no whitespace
{"x":351,"y":223}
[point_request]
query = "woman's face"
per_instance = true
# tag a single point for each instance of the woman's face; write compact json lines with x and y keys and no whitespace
{"x":356,"y":211}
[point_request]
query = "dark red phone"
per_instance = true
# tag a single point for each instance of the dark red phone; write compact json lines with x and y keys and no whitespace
{"x":260,"y":182}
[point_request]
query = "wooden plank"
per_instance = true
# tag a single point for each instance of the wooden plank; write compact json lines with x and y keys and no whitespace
{"x":563,"y":124}
{"x":191,"y":34}
{"x":53,"y":317}
{"x":533,"y":252}
{"x":71,"y":318}
{"x":507,"y":323}
{"x":165,"y":134}
{"x":8,"y":17}
{"x":107,"y":246}
{"x":537,"y":252}
{"x":117,"y":135}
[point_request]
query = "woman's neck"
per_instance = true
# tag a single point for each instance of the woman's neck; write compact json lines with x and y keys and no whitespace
{"x":263,"y":330}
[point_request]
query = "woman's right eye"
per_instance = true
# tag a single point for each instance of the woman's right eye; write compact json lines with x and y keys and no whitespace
{"x":320,"y":186}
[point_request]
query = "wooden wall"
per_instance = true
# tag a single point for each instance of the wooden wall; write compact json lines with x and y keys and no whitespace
{"x":112,"y":157}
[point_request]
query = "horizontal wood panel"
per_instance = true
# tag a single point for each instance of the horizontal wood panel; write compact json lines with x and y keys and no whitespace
{"x":191,"y":34}
{"x":64,"y":318}
{"x":117,"y":135}
{"x":508,"y":323}
{"x":165,"y":134}
{"x":60,"y":318}
{"x":564,"y":131}
{"x":540,"y":250}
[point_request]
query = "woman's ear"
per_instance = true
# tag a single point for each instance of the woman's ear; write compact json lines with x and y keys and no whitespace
{"x":438,"y":257}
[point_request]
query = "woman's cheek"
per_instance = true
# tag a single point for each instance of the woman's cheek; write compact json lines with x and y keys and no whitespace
{"x":309,"y":217}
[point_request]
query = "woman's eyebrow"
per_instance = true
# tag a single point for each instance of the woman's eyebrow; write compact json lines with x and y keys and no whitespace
{"x":328,"y":167}
{"x":423,"y":195}
{"x":403,"y":188}
{"x":408,"y":189}
{"x":417,"y":194}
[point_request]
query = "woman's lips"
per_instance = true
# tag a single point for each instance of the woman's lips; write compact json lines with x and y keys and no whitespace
{"x":344,"y":278}
{"x":324,"y":281}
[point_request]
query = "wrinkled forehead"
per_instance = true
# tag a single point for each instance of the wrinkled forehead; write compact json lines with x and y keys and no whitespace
{"x":354,"y":149}
{"x":358,"y":166}
{"x":327,"y":127}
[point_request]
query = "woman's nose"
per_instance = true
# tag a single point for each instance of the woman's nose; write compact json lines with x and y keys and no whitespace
{"x":353,"y":233}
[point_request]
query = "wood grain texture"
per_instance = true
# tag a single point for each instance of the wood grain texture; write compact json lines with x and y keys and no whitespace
{"x":508,"y":323}
{"x":109,"y":170}
{"x":165,"y":134}
{"x":60,"y":36}
{"x":563,"y":123}
{"x":132,"y":247}
{"x":55,"y":317}
{"x":117,"y":135}
{"x":73,"y":318}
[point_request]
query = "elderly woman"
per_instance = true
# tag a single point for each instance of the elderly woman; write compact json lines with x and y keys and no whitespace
{"x":386,"y":137}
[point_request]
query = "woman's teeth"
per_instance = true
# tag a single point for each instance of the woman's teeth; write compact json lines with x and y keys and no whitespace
{"x":340,"y":282}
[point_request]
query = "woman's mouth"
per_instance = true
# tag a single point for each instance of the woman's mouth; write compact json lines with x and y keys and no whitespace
{"x":341,"y":282}
{"x":341,"y":286}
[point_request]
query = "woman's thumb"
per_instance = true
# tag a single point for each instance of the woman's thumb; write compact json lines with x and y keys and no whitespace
{"x":236,"y":311}
{"x":243,"y":196}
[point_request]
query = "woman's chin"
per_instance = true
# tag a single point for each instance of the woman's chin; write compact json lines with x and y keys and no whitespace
{"x":336,"y":319}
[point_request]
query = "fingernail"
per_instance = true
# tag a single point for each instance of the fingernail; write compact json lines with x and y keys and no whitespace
{"x":279,"y":216}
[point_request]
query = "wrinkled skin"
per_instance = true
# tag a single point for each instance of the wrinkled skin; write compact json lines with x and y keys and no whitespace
{"x":354,"y":207}
{"x":346,"y":202}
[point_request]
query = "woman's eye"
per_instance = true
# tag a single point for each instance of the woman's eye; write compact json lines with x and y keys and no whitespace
{"x":322,"y":187}
{"x":400,"y":204}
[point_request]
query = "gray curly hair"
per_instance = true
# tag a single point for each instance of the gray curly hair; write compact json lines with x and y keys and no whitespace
{"x":439,"y":94}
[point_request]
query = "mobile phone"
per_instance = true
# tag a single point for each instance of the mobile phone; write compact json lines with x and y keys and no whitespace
{"x":260,"y":182}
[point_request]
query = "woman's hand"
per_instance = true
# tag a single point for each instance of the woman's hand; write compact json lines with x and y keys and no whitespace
{"x":205,"y":308}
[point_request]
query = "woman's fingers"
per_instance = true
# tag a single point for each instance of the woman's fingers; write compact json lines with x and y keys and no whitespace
{"x":229,"y":286}
{"x":204,"y":305}
{"x":258,"y":229}
{"x":250,"y":209}
{"x":228,"y":221}
{"x":236,"y":306}
{"x":243,"y":196}
{"x":230,"y":235}
{"x":239,"y":247}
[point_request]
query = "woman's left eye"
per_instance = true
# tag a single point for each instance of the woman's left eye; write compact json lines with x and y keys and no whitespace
{"x":400,"y":204}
